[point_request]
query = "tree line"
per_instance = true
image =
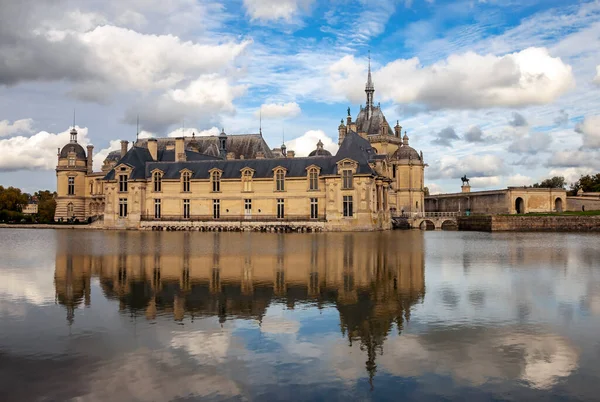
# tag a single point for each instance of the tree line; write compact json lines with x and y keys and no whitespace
{"x":13,"y":200}
{"x":588,"y":183}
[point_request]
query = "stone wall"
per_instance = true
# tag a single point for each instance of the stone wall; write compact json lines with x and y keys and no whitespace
{"x":481,"y":202}
{"x":530,"y":223}
{"x":576,"y":203}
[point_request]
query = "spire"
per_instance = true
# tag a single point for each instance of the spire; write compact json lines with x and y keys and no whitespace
{"x":370,"y":90}
{"x":260,"y":120}
{"x":137,"y":129}
{"x":73,"y":130}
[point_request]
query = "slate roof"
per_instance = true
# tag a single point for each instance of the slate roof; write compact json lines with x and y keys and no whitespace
{"x":353,"y":147}
{"x":371,"y":126}
{"x":406,"y":152}
{"x":240,"y":144}
{"x":79,"y":151}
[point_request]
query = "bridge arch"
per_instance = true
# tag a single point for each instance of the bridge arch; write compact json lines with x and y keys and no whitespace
{"x":449,"y":225}
{"x":426,"y":224}
{"x":558,"y":204}
{"x":520,"y":205}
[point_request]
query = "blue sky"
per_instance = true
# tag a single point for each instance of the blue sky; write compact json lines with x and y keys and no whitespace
{"x":506,"y":92}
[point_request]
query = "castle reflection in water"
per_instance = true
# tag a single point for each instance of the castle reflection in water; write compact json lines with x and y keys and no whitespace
{"x":372,"y":280}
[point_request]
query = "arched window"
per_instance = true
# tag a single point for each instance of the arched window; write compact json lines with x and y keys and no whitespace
{"x":157,"y":180}
{"x":247,"y":180}
{"x":185,"y":178}
{"x":215,"y":178}
{"x":313,"y":179}
{"x":280,"y":180}
{"x":70,"y":210}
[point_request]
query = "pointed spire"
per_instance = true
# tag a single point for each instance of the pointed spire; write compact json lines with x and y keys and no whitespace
{"x":137,"y":129}
{"x":369,"y":85}
{"x":369,"y":89}
{"x":73,"y":130}
{"x":260,"y":120}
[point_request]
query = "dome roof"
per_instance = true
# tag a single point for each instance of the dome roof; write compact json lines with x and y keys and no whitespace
{"x":75,"y":147}
{"x":113,"y":156}
{"x":320,"y":151}
{"x":406,"y":152}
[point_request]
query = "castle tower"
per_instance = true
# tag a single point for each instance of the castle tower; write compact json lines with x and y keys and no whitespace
{"x":370,"y":90}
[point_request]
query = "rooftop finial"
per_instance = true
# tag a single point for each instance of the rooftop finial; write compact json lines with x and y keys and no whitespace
{"x":369,"y":89}
{"x":137,"y":129}
{"x":260,"y":120}
{"x":73,"y":130}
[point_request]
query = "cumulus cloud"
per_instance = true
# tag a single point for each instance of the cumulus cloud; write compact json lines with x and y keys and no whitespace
{"x":562,"y":118}
{"x":98,"y":157}
{"x":519,"y":180}
{"x":474,"y":134}
{"x":278,"y":110}
{"x":571,"y":174}
{"x":531,"y":143}
{"x":445,"y":137}
{"x":573,"y":158}
{"x":434,"y":188}
{"x":187,"y":132}
{"x":484,"y":182}
{"x":307,"y":142}
{"x":18,"y":126}
{"x":273,"y":10}
{"x":37,"y":152}
{"x":452,"y":167}
{"x":590,"y":129}
{"x":518,"y":120}
{"x":597,"y":78}
{"x":469,"y":80}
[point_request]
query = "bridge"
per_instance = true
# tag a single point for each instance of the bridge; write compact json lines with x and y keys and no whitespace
{"x":426,"y":220}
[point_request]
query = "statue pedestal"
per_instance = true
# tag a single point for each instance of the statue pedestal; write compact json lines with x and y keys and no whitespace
{"x":466,"y":188}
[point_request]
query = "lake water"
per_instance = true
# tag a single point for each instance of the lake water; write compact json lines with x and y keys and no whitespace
{"x":403,"y":315}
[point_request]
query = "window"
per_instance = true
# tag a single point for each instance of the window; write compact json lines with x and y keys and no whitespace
{"x":122,"y":207}
{"x":280,"y":180}
{"x":92,"y":187}
{"x":157,"y":180}
{"x":71,"y":188}
{"x":71,"y":160}
{"x":348,"y":207}
{"x":216,"y":209}
{"x":313,"y":179}
{"x":123,"y":183}
{"x":247,"y":180}
{"x":280,"y":208}
{"x":216,"y":181}
{"x":70,"y":210}
{"x":346,"y":179}
{"x":186,"y":182}
{"x":157,"y":209}
{"x":314,"y":208}
{"x":186,"y":209}
{"x":248,"y":204}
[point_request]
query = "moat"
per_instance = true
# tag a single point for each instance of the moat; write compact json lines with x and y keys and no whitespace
{"x":396,"y":315}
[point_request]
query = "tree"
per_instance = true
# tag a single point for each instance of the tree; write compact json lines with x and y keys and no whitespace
{"x":46,"y":205}
{"x":12,"y":199}
{"x":555,"y":182}
{"x":426,"y":191}
{"x":587,"y":183}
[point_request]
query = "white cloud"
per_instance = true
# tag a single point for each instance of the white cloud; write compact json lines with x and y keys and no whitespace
{"x":17,"y":126}
{"x":279,"y":325}
{"x":571,"y":174}
{"x":279,"y":110}
{"x":187,"y":132}
{"x":590,"y":129}
{"x":531,"y":143}
{"x":434,"y":188}
{"x":469,"y":80}
{"x":474,"y":166}
{"x":272,"y":10}
{"x":574,"y":158}
{"x":597,"y":78}
{"x":307,"y":142}
{"x":98,"y":158}
{"x":37,"y":152}
{"x":519,"y":180}
{"x":484,"y":182}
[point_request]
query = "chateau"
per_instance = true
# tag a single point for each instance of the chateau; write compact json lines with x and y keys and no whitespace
{"x":233,"y":182}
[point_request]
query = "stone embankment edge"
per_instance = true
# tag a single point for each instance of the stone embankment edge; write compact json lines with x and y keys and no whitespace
{"x":520,"y":223}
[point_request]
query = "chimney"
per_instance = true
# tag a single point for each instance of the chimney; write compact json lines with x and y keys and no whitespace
{"x":153,"y":148}
{"x":90,"y":152}
{"x":260,"y":155}
{"x":230,"y":155}
{"x":242,"y":156}
{"x":124,"y":145}
{"x":179,"y":150}
{"x":291,"y":154}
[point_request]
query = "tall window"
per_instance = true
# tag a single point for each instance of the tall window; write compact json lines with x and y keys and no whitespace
{"x":248,"y":205}
{"x":314,"y":208}
{"x":71,"y":160}
{"x":313,"y":179}
{"x":280,"y":208}
{"x":122,"y":207}
{"x":216,"y":209}
{"x":123,"y":183}
{"x":348,"y":207}
{"x":71,"y":187}
{"x":280,"y":180}
{"x":186,"y":209}
{"x":91,"y":187}
{"x":157,"y":180}
{"x":247,"y":180}
{"x":346,"y":179}
{"x":70,"y":210}
{"x":186,"y":182}
{"x":216,"y":181}
{"x":157,"y":209}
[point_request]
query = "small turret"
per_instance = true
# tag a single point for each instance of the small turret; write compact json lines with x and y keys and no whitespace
{"x":283,"y":150}
{"x":405,"y":139}
{"x":223,"y":144}
{"x":398,"y":129}
{"x":342,"y":131}
{"x":73,"y":133}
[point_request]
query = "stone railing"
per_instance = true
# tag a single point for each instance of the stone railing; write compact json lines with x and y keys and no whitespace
{"x":232,"y":218}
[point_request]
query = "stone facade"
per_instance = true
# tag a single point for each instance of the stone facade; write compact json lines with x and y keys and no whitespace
{"x":530,"y":223}
{"x":513,"y":200}
{"x":235,"y":180}
{"x":584,"y":202}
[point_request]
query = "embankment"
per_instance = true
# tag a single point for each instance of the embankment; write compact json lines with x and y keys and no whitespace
{"x":520,"y":223}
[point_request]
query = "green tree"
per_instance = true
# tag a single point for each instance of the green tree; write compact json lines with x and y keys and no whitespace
{"x":426,"y":191}
{"x":555,"y":182}
{"x":587,"y":183}
{"x":46,"y":205}
{"x":12,"y":199}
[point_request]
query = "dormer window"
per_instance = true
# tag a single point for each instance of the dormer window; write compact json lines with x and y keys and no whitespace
{"x":157,"y":181}
{"x":313,"y":179}
{"x":71,"y":160}
{"x":123,"y":183}
{"x":215,"y":178}
{"x":247,"y":180}
{"x":280,"y":179}
{"x":185,"y":179}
